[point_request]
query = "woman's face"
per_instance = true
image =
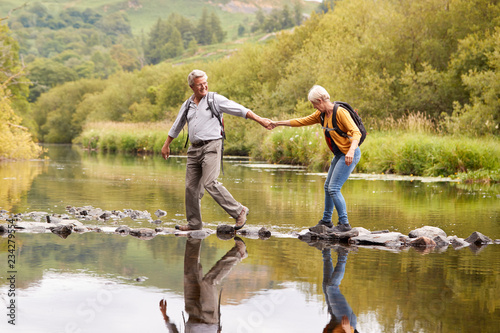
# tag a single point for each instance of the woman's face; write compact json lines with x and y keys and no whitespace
{"x":320,"y":106}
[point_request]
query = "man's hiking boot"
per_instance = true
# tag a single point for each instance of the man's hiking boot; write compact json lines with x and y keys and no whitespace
{"x":242,"y":219}
{"x":342,"y":228}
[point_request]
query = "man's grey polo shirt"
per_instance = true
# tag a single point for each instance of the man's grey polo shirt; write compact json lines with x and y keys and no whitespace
{"x":201,"y":125}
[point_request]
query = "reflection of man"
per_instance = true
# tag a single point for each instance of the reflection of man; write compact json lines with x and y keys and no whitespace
{"x":200,"y":292}
{"x":343,"y":318}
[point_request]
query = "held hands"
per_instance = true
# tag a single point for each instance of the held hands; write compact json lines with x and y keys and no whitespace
{"x":268,"y":123}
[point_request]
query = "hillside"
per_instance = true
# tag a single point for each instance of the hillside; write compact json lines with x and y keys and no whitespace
{"x":144,"y":13}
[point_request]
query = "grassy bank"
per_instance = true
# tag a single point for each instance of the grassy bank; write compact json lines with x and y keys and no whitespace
{"x":128,"y":137}
{"x":407,"y":151}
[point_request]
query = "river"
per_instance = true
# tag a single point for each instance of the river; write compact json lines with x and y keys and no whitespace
{"x":100,"y":282}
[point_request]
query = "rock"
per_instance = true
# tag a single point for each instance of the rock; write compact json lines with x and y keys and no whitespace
{"x":160,"y":213}
{"x":343,"y":235}
{"x":458,"y":243}
{"x":255,"y":232}
{"x":143,"y":233}
{"x":264,"y":233}
{"x":157,"y":221}
{"x":199,"y":234}
{"x":427,"y":231}
{"x":123,"y":230}
{"x":441,"y":241}
{"x":478,"y":239}
{"x":363,"y":231}
{"x":391,"y":239}
{"x":62,"y":231}
{"x":80,"y":229}
{"x":423,"y":242}
{"x":106,"y":215}
{"x":379,"y":232}
{"x":225,"y":229}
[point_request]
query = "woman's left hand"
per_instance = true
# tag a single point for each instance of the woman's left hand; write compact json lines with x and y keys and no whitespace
{"x":349,"y":157}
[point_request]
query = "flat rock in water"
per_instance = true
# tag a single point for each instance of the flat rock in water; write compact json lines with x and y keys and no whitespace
{"x":199,"y":234}
{"x":143,"y":233}
{"x":427,"y":231}
{"x":160,"y":213}
{"x":391,"y":239}
{"x":422,"y":242}
{"x":255,"y":232}
{"x":458,"y":243}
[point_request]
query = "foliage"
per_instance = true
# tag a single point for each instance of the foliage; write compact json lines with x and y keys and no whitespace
{"x":277,"y":19}
{"x":387,"y":59}
{"x":170,"y":38}
{"x":15,"y":140}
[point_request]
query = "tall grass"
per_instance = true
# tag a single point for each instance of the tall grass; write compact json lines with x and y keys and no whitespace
{"x":411,"y":146}
{"x":129,"y":137}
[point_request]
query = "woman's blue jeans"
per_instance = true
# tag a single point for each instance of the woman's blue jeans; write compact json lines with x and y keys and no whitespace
{"x":337,"y":176}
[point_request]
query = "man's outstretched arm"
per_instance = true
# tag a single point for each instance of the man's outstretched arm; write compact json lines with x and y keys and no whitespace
{"x":264,"y":122}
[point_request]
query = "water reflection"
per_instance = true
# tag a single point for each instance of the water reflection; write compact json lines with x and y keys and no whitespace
{"x":343,"y":318}
{"x":201,"y":296}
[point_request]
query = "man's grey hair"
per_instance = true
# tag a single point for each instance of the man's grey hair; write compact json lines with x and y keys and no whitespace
{"x":318,"y":93}
{"x":196,"y":74}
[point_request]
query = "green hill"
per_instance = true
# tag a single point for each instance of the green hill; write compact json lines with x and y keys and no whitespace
{"x":144,"y":13}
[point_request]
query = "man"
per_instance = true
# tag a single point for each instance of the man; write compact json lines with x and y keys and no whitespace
{"x":205,"y":152}
{"x":346,"y":152}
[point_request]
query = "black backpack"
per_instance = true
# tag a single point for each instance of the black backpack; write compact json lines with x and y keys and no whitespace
{"x":354,"y":115}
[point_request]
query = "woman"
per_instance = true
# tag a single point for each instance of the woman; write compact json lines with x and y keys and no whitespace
{"x":346,"y":152}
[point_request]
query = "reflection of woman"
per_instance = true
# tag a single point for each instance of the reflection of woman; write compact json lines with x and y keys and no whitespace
{"x":200,"y":291}
{"x":343,"y":319}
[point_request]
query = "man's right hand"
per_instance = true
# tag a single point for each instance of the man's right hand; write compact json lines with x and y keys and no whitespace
{"x":165,"y":151}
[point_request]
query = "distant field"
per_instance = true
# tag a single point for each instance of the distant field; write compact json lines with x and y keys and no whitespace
{"x":144,"y":13}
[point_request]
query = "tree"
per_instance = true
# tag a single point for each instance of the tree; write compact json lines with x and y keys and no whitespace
{"x":46,"y":74}
{"x":15,"y":140}
{"x":203,"y":29}
{"x":216,"y":29}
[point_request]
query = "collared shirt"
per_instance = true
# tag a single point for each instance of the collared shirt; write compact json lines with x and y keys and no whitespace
{"x":202,"y":126}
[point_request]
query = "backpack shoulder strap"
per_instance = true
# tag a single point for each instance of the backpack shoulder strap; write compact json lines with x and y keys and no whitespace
{"x":334,"y":119}
{"x":185,"y":115}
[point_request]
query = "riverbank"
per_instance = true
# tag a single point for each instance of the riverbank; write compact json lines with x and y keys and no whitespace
{"x":413,"y":153}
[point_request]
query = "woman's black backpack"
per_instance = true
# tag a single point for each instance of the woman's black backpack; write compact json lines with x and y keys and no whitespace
{"x":354,"y":115}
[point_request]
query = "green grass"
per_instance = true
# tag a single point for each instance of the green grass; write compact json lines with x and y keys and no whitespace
{"x":397,"y":151}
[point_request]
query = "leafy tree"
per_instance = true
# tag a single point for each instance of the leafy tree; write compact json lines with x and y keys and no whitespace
{"x":216,"y":29}
{"x":46,"y":74}
{"x":203,"y":29}
{"x":126,"y":58}
{"x":15,"y":140}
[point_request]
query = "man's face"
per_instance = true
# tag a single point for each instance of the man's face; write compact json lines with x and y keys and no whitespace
{"x":200,"y":87}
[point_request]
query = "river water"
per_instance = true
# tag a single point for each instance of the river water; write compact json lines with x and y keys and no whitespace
{"x":99,"y":282}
